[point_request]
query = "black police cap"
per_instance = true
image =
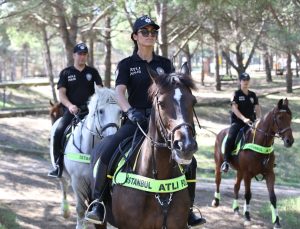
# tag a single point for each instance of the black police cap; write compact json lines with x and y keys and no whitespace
{"x":143,"y":22}
{"x":244,"y":76}
{"x":80,"y":48}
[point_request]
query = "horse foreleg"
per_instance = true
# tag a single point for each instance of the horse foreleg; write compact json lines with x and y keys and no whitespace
{"x":270,"y":180}
{"x":237,"y":185}
{"x":82,"y":193}
{"x":247,"y":183}
{"x":65,"y":206}
{"x":218,"y":178}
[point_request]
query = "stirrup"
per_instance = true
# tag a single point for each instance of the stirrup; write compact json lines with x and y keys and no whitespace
{"x":198,"y":209}
{"x":88,"y":210}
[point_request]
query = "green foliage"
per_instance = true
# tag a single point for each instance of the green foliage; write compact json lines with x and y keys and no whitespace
{"x":8,"y":219}
{"x":289,"y":212}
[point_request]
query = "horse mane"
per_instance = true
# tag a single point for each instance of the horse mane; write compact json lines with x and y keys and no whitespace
{"x":168,"y":81}
{"x":101,"y":97}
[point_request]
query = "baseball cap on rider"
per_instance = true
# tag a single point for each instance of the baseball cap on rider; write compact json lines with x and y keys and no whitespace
{"x":244,"y":76}
{"x":142,"y":22}
{"x":80,"y":48}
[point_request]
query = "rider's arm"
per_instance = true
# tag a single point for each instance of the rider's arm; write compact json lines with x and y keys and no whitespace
{"x":235,"y":110}
{"x":257,"y":109}
{"x":121,"y":97}
{"x":62,"y":93}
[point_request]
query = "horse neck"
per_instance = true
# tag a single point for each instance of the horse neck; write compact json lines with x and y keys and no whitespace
{"x":264,"y":132}
{"x":162,"y":162}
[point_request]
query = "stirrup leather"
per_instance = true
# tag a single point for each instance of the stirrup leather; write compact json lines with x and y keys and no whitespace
{"x":104,"y":210}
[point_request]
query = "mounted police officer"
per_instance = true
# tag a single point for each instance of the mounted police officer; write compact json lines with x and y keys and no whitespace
{"x":75,"y":86}
{"x":133,"y":77}
{"x":245,"y":109}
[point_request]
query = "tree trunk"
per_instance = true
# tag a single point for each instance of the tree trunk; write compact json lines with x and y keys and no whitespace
{"x":108,"y":52}
{"x":202,"y":64}
{"x":289,"y":74}
{"x":162,"y":11}
{"x":91,"y":51}
{"x":267,"y":65}
{"x":49,"y":66}
{"x":217,"y":67}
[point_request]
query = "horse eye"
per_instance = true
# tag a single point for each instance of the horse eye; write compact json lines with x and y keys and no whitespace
{"x":101,"y":111}
{"x":161,"y":104}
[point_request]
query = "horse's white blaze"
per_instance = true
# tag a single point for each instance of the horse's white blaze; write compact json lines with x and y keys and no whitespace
{"x":177,"y":97}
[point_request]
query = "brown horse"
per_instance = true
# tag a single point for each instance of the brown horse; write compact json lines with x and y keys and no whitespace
{"x":170,"y":142}
{"x":55,"y":111}
{"x":250,"y":162}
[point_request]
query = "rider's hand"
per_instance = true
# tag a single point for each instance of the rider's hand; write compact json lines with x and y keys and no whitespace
{"x":73,"y":109}
{"x":135,"y":115}
{"x":247,"y":121}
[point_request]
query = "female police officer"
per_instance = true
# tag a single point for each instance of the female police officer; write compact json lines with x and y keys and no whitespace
{"x":132,"y":75}
{"x":245,"y":109}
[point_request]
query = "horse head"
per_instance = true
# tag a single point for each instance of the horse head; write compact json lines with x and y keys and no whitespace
{"x":282,"y":117}
{"x":172,"y":113}
{"x":55,"y":111}
{"x":104,"y":112}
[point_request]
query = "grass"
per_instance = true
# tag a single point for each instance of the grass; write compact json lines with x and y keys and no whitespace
{"x":289,"y":212}
{"x":8,"y":219}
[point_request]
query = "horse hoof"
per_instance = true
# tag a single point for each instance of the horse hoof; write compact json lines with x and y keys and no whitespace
{"x":247,"y":223}
{"x":215,"y":203}
{"x":247,"y":217}
{"x":277,"y":224}
{"x":236,"y":211}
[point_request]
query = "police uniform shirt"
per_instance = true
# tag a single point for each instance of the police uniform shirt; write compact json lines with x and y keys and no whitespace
{"x":246,"y":104}
{"x":79,"y":84}
{"x":132,"y":73}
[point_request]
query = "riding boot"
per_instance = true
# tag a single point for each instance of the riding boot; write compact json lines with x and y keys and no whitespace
{"x":98,"y":212}
{"x":59,"y":166}
{"x":225,"y":164}
{"x":193,"y":219}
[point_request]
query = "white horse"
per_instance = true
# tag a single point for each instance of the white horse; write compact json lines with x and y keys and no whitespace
{"x":103,"y":120}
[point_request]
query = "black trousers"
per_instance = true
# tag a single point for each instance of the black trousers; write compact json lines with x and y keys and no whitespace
{"x":60,"y":129}
{"x":232,"y":134}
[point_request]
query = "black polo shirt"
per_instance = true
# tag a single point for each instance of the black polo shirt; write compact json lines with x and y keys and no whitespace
{"x":79,"y":84}
{"x":132,"y":73}
{"x":246,"y":105}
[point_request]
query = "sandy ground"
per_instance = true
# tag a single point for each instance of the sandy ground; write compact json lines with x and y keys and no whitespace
{"x":25,"y":188}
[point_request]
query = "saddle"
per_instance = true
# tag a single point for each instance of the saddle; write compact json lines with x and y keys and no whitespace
{"x":240,"y":140}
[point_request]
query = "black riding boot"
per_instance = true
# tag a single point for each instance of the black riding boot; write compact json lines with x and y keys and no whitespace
{"x":225,"y":164}
{"x":59,"y":166}
{"x":97,"y":214}
{"x":193,"y":220}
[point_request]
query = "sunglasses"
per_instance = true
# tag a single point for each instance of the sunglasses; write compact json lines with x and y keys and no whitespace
{"x":145,"y":32}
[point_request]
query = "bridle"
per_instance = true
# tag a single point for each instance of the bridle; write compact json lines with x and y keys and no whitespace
{"x":279,"y":133}
{"x":99,"y":131}
{"x":167,"y":135}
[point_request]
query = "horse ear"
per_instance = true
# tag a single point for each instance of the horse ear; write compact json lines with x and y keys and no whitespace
{"x":286,"y":102}
{"x":280,"y":102}
{"x":153,"y":74}
{"x":185,"y":70}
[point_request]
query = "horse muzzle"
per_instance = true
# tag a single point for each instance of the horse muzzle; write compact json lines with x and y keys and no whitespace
{"x":288,"y":142}
{"x":183,"y":151}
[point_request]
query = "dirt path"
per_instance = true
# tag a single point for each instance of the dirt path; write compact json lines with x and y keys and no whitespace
{"x":25,"y":188}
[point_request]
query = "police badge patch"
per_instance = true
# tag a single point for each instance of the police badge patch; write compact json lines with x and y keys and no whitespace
{"x":88,"y":76}
{"x":160,"y":71}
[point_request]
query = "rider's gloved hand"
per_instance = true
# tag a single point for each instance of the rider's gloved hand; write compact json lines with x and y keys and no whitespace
{"x":73,"y":109}
{"x":247,"y":121}
{"x":135,"y":115}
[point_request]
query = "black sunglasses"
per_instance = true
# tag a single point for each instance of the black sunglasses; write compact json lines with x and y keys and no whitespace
{"x":145,"y":32}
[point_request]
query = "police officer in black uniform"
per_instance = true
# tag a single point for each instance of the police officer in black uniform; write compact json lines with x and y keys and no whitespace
{"x":133,"y":77}
{"x":76,"y":84}
{"x":245,"y":110}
